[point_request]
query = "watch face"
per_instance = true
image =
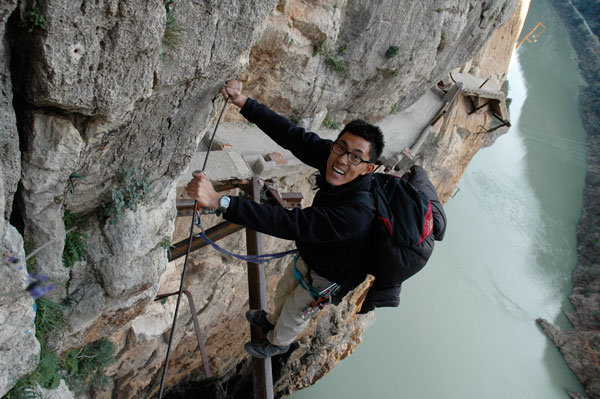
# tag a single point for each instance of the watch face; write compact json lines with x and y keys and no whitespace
{"x":224,"y":202}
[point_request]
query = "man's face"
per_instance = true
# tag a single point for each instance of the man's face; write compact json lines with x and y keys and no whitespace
{"x":339,"y":169}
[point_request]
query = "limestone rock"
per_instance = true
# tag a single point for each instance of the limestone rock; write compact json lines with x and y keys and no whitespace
{"x":54,"y":149}
{"x":581,"y":350}
{"x":342,"y":57}
{"x":61,"y":392}
{"x":78,"y":65}
{"x":19,"y":349}
{"x":10,"y":161}
{"x":333,"y":334}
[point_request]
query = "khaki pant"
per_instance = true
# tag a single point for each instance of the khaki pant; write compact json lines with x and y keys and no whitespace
{"x":290,"y":299}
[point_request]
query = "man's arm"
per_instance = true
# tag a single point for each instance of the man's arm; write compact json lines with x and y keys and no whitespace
{"x":306,"y":146}
{"x":312,"y":224}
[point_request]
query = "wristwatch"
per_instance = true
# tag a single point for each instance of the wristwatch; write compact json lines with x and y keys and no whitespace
{"x":223,"y":204}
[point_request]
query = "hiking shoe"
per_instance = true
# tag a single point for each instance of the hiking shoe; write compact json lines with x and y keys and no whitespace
{"x":258,"y":318}
{"x":264,"y":348}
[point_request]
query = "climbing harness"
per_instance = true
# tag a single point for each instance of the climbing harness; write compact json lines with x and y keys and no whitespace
{"x":322,"y":297}
{"x":325,"y":298}
{"x":185,"y":263}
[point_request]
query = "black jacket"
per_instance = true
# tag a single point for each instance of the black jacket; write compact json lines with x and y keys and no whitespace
{"x":332,"y":234}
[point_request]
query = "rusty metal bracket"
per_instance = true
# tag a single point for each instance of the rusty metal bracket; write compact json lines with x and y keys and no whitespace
{"x":503,"y":123}
{"x":196,"y":327}
{"x":475,"y":109}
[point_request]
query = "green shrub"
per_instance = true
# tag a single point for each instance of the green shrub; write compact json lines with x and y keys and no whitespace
{"x":392,"y":51}
{"x":85,"y":366}
{"x":132,"y":189}
{"x":171,"y":35}
{"x":337,"y":65}
{"x":76,"y":245}
{"x":49,"y":318}
{"x":46,"y":375}
{"x":319,"y":48}
{"x":330,"y":123}
{"x":35,"y":17}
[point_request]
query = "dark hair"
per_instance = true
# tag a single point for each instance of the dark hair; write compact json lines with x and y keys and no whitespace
{"x":369,"y":132}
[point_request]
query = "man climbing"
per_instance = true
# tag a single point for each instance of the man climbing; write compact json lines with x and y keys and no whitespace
{"x":332,"y":235}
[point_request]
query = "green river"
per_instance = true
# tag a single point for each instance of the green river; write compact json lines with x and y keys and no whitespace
{"x":466,"y":325}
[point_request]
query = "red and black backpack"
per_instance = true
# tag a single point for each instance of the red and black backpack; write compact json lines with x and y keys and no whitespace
{"x":411,"y":217}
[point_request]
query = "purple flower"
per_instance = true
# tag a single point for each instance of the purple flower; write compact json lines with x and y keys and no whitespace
{"x":38,"y":291}
{"x":37,"y":287}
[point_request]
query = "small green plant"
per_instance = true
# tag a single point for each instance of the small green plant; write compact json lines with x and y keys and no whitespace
{"x":76,"y":245}
{"x":342,"y":49}
{"x":172,"y":34}
{"x":49,"y":318}
{"x":85,"y":366}
{"x":291,"y":42}
{"x":442,"y":43}
{"x":72,"y":184}
{"x":330,"y":123}
{"x":396,"y":71}
{"x":29,"y":247}
{"x":392,"y":51}
{"x":132,"y":189}
{"x":46,"y":375}
{"x":166,"y":244}
{"x":440,"y":9}
{"x":319,"y":48}
{"x":35,"y":17}
{"x":337,"y":65}
{"x":24,"y":388}
{"x":394,"y":108}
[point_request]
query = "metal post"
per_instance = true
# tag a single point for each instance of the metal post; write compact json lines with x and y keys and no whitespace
{"x":262,"y":376}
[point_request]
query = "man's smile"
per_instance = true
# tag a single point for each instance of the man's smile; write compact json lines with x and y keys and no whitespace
{"x":338,"y":171}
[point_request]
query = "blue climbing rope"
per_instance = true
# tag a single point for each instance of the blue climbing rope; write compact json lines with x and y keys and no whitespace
{"x":248,"y":258}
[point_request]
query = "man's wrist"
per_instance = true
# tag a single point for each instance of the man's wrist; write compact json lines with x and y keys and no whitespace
{"x":224,"y":202}
{"x":239,"y":100}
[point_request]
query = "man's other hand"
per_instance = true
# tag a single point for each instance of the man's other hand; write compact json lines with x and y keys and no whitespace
{"x":233,"y":90}
{"x":201,"y":189}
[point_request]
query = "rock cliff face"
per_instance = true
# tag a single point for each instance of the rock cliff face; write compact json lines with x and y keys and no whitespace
{"x":93,"y":90}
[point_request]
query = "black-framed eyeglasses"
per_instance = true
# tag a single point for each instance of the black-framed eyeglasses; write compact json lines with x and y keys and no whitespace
{"x":353,"y":158}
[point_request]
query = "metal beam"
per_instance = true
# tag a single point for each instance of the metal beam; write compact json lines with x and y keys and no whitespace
{"x":262,"y":375}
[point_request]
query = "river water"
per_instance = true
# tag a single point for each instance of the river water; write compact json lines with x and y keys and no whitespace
{"x":466,"y":325}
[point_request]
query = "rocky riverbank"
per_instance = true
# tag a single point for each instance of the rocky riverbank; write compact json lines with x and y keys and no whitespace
{"x":581,"y":346}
